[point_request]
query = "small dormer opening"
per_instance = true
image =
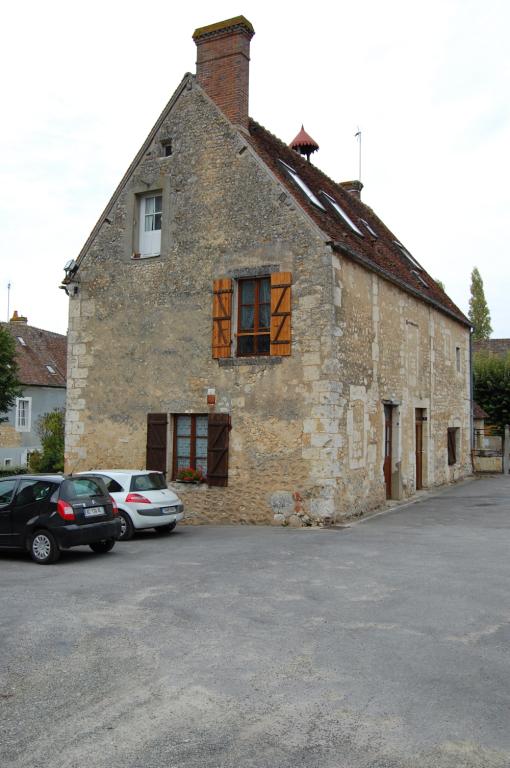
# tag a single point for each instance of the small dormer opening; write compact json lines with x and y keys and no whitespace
{"x":166,"y":145}
{"x":51,"y":369}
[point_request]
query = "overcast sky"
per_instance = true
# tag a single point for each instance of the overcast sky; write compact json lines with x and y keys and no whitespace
{"x":427,"y":83}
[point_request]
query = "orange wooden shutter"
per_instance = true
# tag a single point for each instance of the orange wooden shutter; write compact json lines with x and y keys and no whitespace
{"x":222,"y":318}
{"x":280,"y":313}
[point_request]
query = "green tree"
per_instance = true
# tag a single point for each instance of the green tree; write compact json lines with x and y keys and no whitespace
{"x":478,"y":310}
{"x":491,"y":390}
{"x":9,"y":384}
{"x":441,"y":285}
{"x":50,"y":428}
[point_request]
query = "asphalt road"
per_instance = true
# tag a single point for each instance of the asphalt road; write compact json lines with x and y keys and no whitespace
{"x":381,"y":645}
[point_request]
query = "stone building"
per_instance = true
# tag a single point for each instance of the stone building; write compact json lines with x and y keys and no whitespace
{"x":41,"y":359}
{"x":258,"y":320}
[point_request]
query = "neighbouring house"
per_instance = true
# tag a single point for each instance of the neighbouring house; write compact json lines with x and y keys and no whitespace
{"x":42,"y":358}
{"x":499,"y":347}
{"x":237,"y":310}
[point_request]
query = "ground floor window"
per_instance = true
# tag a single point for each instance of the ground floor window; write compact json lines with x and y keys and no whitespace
{"x":190,"y":442}
{"x":453,"y":445}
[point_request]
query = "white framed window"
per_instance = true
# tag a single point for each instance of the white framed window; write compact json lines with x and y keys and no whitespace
{"x":7,"y":462}
{"x":150,"y":213}
{"x":23,"y":414}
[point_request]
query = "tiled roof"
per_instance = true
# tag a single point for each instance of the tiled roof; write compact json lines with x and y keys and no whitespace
{"x":40,"y":349}
{"x":378,"y":253}
{"x":494,"y":346}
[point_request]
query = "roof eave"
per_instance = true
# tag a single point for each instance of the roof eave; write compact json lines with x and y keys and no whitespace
{"x":344,"y":249}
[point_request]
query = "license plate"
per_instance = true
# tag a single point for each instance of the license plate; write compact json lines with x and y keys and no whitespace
{"x":94,"y":512}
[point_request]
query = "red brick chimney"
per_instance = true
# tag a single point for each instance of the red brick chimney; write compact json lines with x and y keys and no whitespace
{"x":223,"y":65}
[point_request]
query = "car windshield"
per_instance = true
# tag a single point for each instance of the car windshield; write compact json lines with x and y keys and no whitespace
{"x":82,"y":488}
{"x":154,"y":481}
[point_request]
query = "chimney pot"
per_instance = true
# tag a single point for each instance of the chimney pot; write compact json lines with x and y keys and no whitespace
{"x":353,"y":187}
{"x":223,"y":65}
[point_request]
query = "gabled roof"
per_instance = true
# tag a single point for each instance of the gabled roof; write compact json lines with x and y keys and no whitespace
{"x":375,"y":247}
{"x":36,"y":350}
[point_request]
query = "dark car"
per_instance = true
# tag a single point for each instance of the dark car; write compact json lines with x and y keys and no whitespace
{"x":44,"y":514}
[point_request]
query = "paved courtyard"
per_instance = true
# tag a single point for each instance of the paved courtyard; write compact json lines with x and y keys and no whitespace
{"x":381,"y":645}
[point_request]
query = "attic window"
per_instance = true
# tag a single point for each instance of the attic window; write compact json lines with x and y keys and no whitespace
{"x":51,"y":369}
{"x":343,"y":214}
{"x":419,"y":278}
{"x":22,"y":341}
{"x":369,"y":228}
{"x":408,"y":256}
{"x":166,"y":145}
{"x":301,"y":184}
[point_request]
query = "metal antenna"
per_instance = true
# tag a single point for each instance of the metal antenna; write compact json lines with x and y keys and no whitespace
{"x":8,"y":300}
{"x":357,"y":135}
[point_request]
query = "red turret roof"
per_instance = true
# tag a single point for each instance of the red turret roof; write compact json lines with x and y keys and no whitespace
{"x":304,"y":140}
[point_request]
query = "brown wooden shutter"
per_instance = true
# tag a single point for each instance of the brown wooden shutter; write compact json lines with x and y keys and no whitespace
{"x":222,"y":318}
{"x":281,"y":313}
{"x":156,"y":441}
{"x":217,"y":448}
{"x":452,"y":458}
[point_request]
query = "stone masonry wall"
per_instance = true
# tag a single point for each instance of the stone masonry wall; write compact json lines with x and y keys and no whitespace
{"x":394,"y":348}
{"x":140,"y":329}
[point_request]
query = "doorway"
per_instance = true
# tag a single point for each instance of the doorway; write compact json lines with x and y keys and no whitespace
{"x":420,"y":417}
{"x":388,"y":447}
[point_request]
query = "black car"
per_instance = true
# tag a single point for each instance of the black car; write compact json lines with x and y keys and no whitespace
{"x":46,"y":513}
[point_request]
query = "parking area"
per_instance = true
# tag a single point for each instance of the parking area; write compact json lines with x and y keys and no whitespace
{"x":380,"y":645}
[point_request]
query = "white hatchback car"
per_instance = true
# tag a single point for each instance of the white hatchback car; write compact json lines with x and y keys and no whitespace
{"x":143,"y":500}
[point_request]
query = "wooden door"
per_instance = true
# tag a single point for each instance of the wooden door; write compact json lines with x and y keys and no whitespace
{"x":388,"y":441}
{"x":419,"y":419}
{"x":157,"y":427}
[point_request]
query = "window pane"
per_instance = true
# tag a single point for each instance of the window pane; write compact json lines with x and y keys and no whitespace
{"x":149,"y":205}
{"x":182,"y":463}
{"x":149,"y":223}
{"x":264,"y":291}
{"x":201,"y":464}
{"x":184,"y":446}
{"x":264,"y":316}
{"x":201,"y":447}
{"x":184,"y":425}
{"x":247,"y":318}
{"x":246,"y":346}
{"x":157,"y":221}
{"x":263,"y":344}
{"x":247,"y":291}
{"x":157,"y":203}
{"x":201,"y":426}
{"x":6,"y":489}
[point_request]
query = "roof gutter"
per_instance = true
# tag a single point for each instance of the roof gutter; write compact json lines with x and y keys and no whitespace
{"x":346,"y":251}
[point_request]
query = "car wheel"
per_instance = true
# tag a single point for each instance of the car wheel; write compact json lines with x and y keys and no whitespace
{"x":165,"y":528}
{"x":102,"y":546}
{"x":126,"y":527}
{"x":43,"y":548}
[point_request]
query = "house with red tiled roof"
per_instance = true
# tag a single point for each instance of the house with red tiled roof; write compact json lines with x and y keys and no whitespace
{"x":259,"y":322}
{"x":41,"y":358}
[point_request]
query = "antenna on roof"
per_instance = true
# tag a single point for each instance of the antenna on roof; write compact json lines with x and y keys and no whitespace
{"x":8,"y":301}
{"x":357,"y":135}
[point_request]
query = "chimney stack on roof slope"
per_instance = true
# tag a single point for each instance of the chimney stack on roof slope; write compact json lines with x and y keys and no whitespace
{"x":223,"y":65}
{"x":18,"y":318}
